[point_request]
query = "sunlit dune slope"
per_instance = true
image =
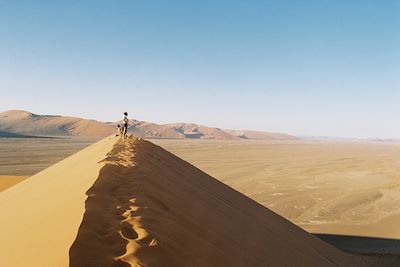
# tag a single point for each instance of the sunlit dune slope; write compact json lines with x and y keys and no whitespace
{"x":39,"y":217}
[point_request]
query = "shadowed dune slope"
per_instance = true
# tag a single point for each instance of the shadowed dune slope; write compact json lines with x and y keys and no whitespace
{"x":40,"y":216}
{"x":150,"y":208}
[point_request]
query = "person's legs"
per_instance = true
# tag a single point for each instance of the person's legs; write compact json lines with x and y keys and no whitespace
{"x":125,"y":131}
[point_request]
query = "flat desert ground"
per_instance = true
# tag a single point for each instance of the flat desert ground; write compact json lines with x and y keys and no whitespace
{"x":324,"y":187}
{"x":28,"y":156}
{"x":24,"y":157}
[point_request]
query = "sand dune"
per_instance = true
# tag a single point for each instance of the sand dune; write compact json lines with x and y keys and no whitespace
{"x":179,"y":131}
{"x":19,"y":123}
{"x":258,"y":135}
{"x":150,"y":208}
{"x":40,"y":216}
{"x":132,"y":203}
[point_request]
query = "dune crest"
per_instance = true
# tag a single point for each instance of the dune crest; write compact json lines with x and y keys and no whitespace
{"x":150,"y":208}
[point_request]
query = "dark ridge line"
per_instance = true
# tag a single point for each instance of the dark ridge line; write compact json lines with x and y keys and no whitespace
{"x":363,"y":245}
{"x":13,"y":135}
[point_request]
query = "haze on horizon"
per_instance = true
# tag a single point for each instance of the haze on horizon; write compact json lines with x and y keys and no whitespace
{"x":326,"y":68}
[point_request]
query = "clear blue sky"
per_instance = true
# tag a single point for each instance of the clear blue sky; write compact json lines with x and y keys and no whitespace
{"x":316,"y":67}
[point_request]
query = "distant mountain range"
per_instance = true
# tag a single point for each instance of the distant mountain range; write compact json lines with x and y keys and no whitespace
{"x":19,"y":123}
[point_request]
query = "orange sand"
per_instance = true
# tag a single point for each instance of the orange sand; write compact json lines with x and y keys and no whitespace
{"x":7,"y":181}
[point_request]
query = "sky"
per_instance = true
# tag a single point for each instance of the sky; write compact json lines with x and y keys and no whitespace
{"x":304,"y":67}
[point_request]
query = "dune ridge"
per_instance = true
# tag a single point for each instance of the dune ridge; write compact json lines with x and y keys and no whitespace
{"x":150,"y":208}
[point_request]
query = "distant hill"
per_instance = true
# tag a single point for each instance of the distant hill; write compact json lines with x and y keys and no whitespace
{"x":21,"y":123}
{"x":257,"y":135}
{"x":26,"y":123}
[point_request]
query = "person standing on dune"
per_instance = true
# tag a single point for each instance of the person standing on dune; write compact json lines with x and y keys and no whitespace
{"x":125,"y":122}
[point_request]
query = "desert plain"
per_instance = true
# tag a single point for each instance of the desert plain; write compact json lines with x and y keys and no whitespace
{"x":24,"y":157}
{"x":350,"y":188}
